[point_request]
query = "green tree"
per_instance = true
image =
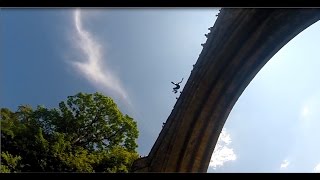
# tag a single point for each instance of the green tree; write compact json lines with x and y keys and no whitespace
{"x":10,"y":161}
{"x":87,"y":133}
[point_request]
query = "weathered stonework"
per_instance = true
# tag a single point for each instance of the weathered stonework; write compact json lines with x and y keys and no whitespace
{"x":240,"y":43}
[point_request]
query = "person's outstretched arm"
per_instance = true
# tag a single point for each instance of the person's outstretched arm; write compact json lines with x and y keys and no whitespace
{"x":180,"y":81}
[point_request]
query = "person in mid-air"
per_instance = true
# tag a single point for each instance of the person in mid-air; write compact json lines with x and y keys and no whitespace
{"x":175,"y":89}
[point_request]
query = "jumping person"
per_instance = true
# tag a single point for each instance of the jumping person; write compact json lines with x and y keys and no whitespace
{"x":175,"y":89}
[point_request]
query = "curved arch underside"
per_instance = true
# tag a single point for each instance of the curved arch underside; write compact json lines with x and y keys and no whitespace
{"x":240,"y":43}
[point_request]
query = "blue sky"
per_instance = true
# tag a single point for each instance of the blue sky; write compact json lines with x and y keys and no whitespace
{"x":133,"y":54}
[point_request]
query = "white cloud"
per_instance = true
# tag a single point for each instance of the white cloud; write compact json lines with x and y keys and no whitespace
{"x":222,"y":153}
{"x":91,"y":64}
{"x":284,"y":164}
{"x":317,"y":168}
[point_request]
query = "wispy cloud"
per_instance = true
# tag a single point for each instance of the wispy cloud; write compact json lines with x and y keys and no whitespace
{"x":285,"y":163}
{"x":222,"y":153}
{"x":310,"y":108}
{"x":305,"y":111}
{"x":317,"y":168}
{"x":92,"y":64}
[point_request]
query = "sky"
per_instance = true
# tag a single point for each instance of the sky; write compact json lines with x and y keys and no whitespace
{"x":132,"y":55}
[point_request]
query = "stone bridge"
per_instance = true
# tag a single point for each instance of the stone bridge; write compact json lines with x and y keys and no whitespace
{"x":239,"y":44}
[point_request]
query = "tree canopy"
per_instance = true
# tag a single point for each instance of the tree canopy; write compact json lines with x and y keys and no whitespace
{"x":87,"y":133}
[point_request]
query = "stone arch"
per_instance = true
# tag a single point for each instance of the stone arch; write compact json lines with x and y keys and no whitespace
{"x":240,"y":43}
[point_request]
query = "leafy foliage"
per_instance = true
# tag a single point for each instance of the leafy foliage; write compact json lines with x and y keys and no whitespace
{"x":87,"y":133}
